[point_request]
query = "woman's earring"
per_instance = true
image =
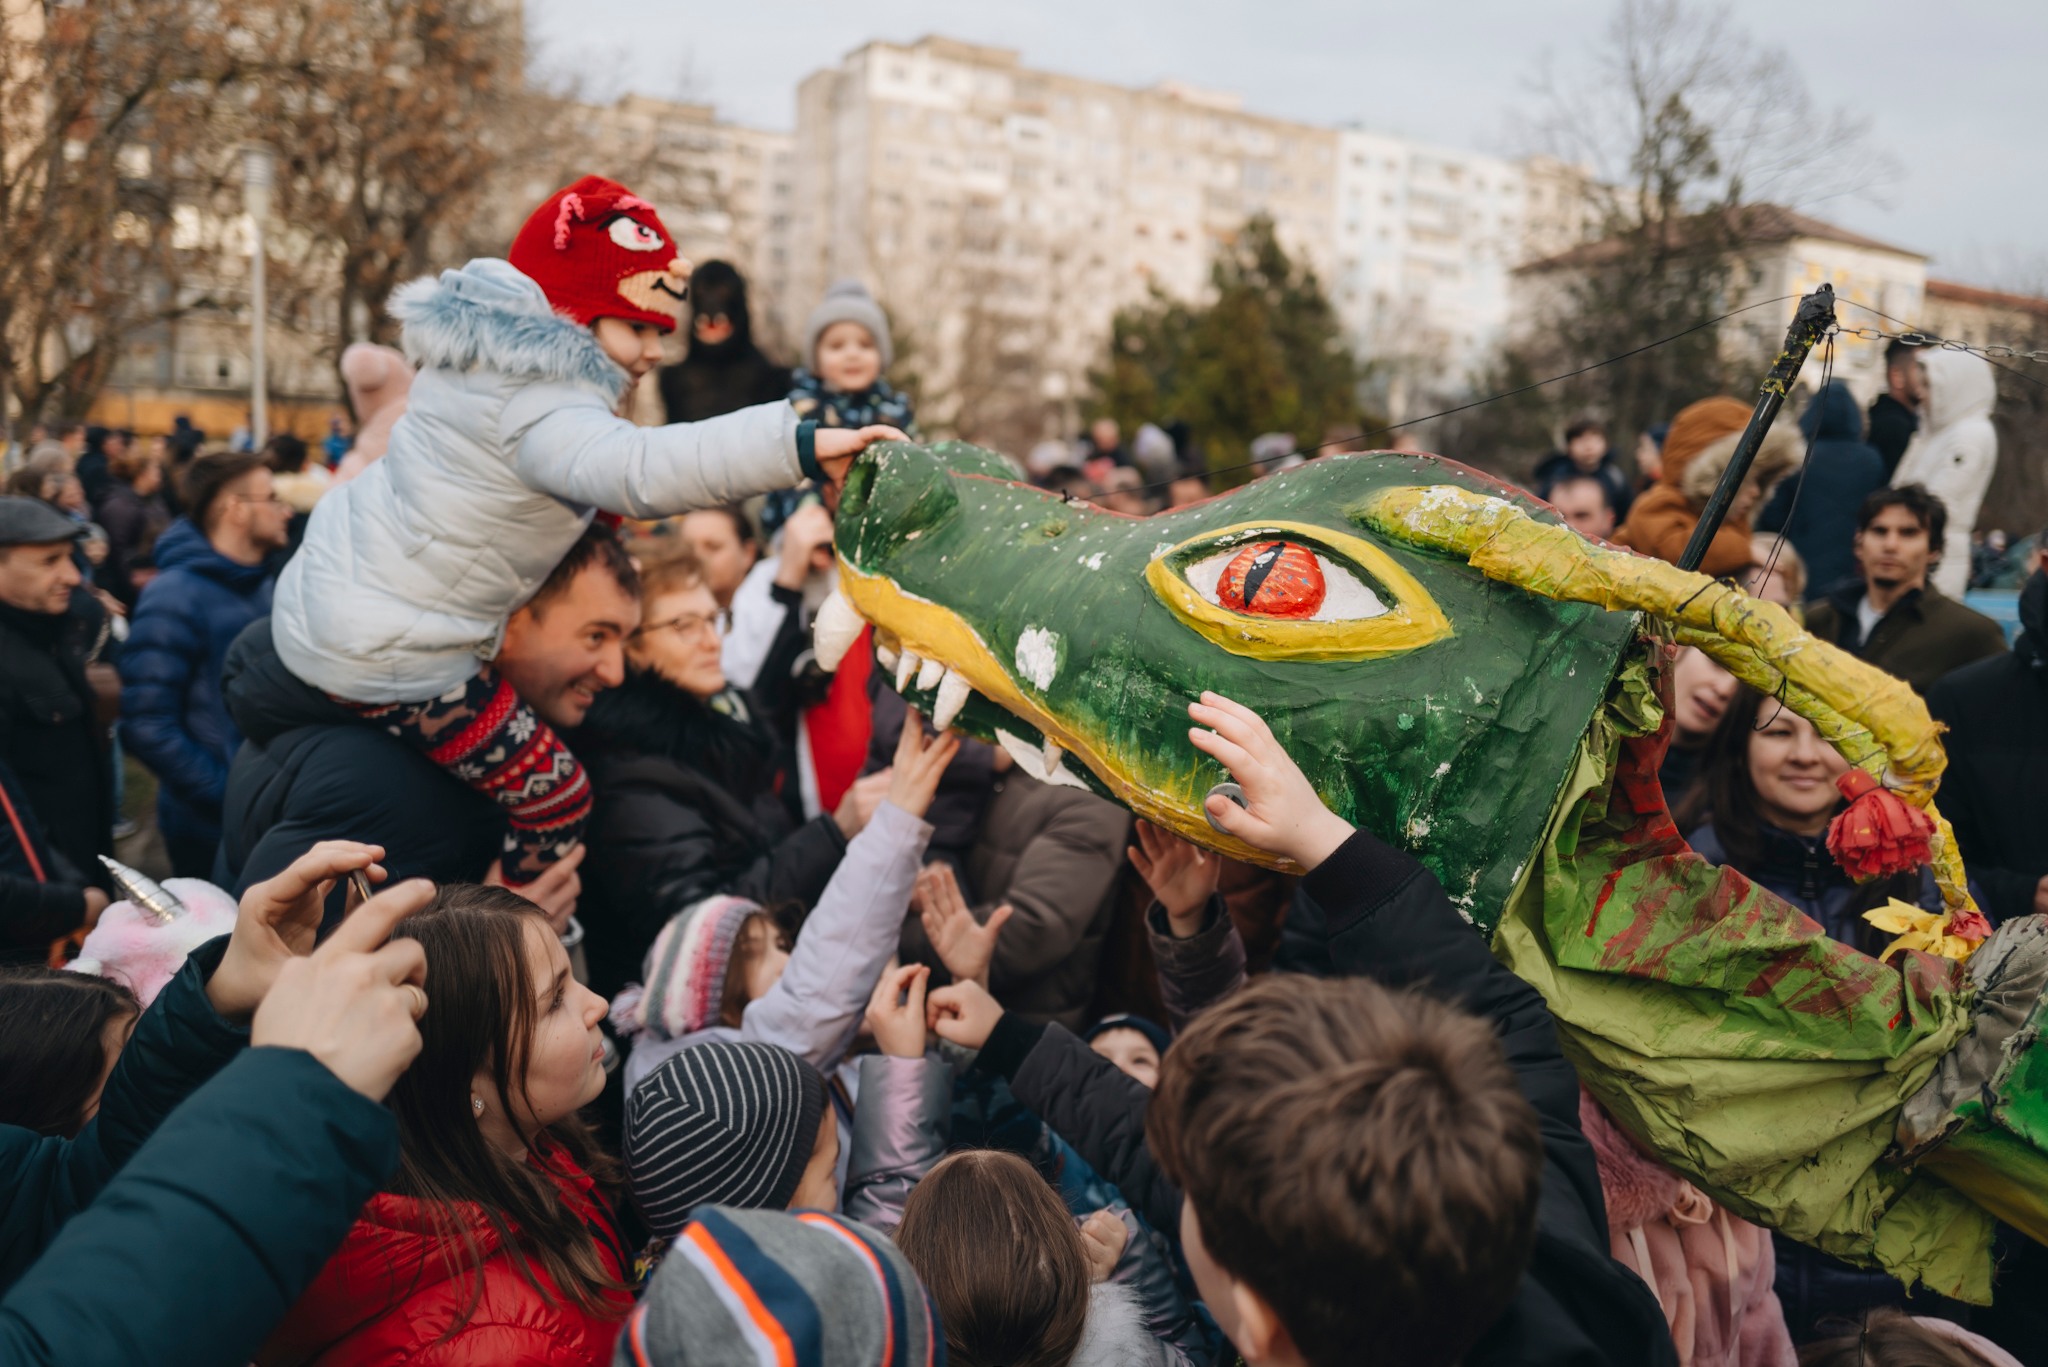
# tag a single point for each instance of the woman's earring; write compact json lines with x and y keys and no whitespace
{"x":476,"y":1103}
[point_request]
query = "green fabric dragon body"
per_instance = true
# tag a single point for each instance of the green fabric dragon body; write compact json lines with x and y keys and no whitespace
{"x":1458,"y":673}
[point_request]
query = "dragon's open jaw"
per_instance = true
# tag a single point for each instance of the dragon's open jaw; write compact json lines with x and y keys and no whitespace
{"x":943,"y":666}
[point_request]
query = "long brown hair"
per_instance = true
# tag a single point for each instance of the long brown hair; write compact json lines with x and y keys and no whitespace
{"x":1002,"y":1259}
{"x":52,"y":1045}
{"x":482,"y":1015}
{"x":1725,"y":796}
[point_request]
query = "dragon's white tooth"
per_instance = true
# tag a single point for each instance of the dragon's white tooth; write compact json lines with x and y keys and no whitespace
{"x":1059,"y":775}
{"x":835,"y":629}
{"x":954,"y":690}
{"x":887,"y":656}
{"x":1052,"y":755}
{"x":905,"y":668}
{"x":929,"y":674}
{"x":1028,"y":756}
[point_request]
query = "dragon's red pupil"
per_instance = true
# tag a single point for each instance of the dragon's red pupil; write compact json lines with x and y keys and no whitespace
{"x":1272,"y":579}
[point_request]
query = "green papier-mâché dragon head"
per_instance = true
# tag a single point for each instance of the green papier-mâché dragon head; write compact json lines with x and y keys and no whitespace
{"x":1460,"y":673}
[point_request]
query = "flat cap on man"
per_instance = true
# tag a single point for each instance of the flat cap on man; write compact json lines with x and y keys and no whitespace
{"x":32,"y":522}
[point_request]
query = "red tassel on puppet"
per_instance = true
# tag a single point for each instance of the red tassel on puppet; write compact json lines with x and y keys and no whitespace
{"x":1881,"y":833}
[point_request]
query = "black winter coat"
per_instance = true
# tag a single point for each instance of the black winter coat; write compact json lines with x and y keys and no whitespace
{"x":715,"y":380}
{"x":1996,"y":711}
{"x":41,"y":896}
{"x":691,"y":800}
{"x":1386,"y":918}
{"x":40,"y":900}
{"x":208,"y":1236}
{"x":48,"y":733}
{"x":1892,"y":426}
{"x":177,"y":1045}
{"x":310,"y":770}
{"x":1817,"y":511}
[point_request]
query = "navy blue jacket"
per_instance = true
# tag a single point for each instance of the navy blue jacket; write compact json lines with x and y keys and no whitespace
{"x":1799,"y":869}
{"x":310,"y":770}
{"x":1842,"y":470}
{"x":172,"y":715}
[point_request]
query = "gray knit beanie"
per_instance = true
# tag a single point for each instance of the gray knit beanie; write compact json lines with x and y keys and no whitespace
{"x":743,"y":1287}
{"x":721,"y":1123}
{"x":848,"y":301}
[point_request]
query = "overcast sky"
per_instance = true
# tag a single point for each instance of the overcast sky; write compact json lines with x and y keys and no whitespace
{"x":1955,"y":92}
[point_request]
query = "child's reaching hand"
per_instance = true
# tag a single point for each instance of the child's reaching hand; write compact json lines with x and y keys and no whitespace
{"x":1283,"y":813}
{"x":896,"y":1011}
{"x":1102,"y":1242}
{"x":1181,"y":876}
{"x":964,"y":945}
{"x":963,"y":1013}
{"x":914,"y":775}
{"x":837,"y":446}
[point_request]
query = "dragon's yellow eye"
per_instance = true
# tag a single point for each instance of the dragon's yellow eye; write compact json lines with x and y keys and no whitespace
{"x":1288,"y":591}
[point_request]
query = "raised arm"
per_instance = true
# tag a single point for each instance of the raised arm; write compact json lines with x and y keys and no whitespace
{"x":815,"y":1007}
{"x":569,"y":444}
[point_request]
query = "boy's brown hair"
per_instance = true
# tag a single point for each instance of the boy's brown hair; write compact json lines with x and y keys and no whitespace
{"x":1360,"y":1158}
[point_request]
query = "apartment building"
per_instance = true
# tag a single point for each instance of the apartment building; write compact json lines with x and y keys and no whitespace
{"x":1003,"y":214}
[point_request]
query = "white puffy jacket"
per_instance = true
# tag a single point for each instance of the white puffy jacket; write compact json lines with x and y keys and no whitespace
{"x":1954,"y":454}
{"x":508,"y":446}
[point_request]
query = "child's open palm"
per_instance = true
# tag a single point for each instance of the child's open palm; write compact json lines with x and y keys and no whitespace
{"x":1181,"y":876}
{"x":964,"y":945}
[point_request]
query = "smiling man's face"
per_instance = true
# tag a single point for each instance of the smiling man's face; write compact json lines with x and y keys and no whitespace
{"x":562,"y":651}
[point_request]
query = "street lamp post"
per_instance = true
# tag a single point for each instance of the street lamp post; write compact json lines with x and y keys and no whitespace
{"x":259,"y":166}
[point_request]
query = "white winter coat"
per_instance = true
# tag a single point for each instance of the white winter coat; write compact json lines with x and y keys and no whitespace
{"x":1954,"y":453}
{"x":508,"y":446}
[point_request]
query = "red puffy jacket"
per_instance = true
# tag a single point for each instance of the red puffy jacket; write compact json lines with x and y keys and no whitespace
{"x":391,"y":1291}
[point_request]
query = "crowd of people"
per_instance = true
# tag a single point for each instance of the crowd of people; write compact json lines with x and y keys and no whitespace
{"x":609,"y":983}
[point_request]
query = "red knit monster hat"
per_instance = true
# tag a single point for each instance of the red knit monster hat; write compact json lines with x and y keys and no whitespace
{"x":597,"y":250}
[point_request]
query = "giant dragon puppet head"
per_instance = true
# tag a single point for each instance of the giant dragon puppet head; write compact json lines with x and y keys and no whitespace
{"x":1428,"y":644}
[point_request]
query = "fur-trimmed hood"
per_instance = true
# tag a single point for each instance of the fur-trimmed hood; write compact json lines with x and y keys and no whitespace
{"x":1778,"y":456}
{"x":490,"y":316}
{"x":1115,"y":1334}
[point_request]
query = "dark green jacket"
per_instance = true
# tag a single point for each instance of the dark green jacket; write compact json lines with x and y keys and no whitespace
{"x":1923,"y":637}
{"x":211,"y":1232}
{"x":177,"y":1045}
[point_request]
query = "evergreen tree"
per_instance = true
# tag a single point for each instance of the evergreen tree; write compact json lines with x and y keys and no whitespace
{"x":1265,"y":354}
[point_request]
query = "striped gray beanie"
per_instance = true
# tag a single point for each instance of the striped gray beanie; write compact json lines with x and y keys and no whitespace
{"x":721,"y":1123}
